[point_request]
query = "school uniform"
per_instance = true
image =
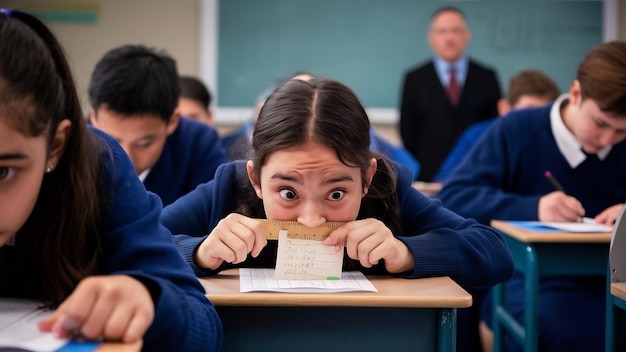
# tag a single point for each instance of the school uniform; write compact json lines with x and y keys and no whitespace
{"x":467,"y":140}
{"x":394,"y":152}
{"x":503,"y":178}
{"x":135,"y":244}
{"x":442,"y":243}
{"x":190,"y":157}
{"x":238,"y":143}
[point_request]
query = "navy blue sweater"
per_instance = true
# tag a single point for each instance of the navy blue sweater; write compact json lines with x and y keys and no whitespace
{"x":503,"y":175}
{"x":190,"y":157}
{"x":136,"y":244}
{"x":442,"y":243}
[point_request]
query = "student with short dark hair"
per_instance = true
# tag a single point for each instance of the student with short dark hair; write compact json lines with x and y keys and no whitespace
{"x":78,"y":232}
{"x":312,"y":163}
{"x":195,"y":100}
{"x":134,"y":93}
{"x":580,"y":139}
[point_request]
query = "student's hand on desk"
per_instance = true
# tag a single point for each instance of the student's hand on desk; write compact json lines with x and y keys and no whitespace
{"x":369,"y":241}
{"x":113,"y":307}
{"x":559,"y":207}
{"x":231,"y":240}
{"x":609,"y":215}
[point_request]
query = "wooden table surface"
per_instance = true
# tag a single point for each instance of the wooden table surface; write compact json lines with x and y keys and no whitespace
{"x":440,"y":292}
{"x":529,"y":236}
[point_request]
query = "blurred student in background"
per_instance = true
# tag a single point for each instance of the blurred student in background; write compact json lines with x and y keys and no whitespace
{"x":195,"y":100}
{"x":134,"y":93}
{"x":530,"y":88}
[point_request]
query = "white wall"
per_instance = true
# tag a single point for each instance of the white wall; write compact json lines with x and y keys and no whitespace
{"x":167,"y":25}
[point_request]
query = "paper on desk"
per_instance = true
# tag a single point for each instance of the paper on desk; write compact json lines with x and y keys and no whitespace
{"x":254,"y":279}
{"x":588,"y":225}
{"x":18,"y":327}
{"x":585,"y":226}
{"x":301,"y":259}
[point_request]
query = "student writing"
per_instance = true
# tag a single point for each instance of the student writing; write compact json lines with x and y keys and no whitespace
{"x":77,"y":229}
{"x":580,"y":140}
{"x":313,"y":164}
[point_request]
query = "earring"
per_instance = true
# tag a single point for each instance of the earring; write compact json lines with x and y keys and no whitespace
{"x":49,"y":169}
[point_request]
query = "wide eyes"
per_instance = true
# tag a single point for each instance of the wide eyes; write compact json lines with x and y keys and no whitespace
{"x":287,"y":194}
{"x":336,"y":195}
{"x":6,"y":172}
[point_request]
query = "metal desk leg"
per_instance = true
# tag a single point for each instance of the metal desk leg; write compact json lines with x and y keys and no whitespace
{"x":526,"y":258}
{"x":531,"y":300}
{"x":446,"y":330}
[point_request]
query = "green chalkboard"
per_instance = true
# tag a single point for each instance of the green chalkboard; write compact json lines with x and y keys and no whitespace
{"x":370,"y":44}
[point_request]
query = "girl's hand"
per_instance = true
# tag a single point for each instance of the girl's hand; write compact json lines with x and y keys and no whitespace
{"x":113,"y":307}
{"x":369,"y":241}
{"x":231,"y":240}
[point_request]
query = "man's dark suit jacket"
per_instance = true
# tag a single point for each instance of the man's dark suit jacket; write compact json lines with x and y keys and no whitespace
{"x":430,"y":124}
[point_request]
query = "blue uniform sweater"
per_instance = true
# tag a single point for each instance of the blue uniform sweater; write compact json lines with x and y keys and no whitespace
{"x":190,"y":157}
{"x":467,"y":140}
{"x":503,"y":178}
{"x":136,"y":244}
{"x":442,"y":242}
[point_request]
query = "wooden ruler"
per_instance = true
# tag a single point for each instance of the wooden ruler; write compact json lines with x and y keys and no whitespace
{"x":297,"y":230}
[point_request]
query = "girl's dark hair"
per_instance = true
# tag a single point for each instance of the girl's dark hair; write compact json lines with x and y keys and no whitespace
{"x":329,"y":113}
{"x":60,"y":243}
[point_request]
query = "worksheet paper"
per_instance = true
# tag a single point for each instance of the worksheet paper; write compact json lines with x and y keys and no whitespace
{"x":587,"y":225}
{"x":302,"y":259}
{"x":18,"y":327}
{"x":254,"y":279}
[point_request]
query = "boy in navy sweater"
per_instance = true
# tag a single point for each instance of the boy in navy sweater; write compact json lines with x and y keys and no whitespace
{"x":134,"y":93}
{"x":580,"y":140}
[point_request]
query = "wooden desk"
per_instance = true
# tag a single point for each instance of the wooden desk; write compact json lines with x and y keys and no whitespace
{"x":539,"y":254}
{"x":618,"y":289}
{"x":403,"y":314}
{"x":120,"y":347}
{"x":428,"y":188}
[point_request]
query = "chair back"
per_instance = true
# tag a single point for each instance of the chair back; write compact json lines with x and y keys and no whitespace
{"x":617,"y":251}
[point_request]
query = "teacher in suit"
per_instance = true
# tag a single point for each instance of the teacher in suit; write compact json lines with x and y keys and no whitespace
{"x":445,"y":95}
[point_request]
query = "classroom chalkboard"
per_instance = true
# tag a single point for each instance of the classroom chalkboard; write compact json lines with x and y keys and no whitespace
{"x":370,"y":44}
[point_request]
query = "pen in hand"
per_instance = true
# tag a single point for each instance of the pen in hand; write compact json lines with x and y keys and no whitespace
{"x":557,"y":186}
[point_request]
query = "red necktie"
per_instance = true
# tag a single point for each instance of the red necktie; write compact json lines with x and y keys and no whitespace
{"x":454,"y":91}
